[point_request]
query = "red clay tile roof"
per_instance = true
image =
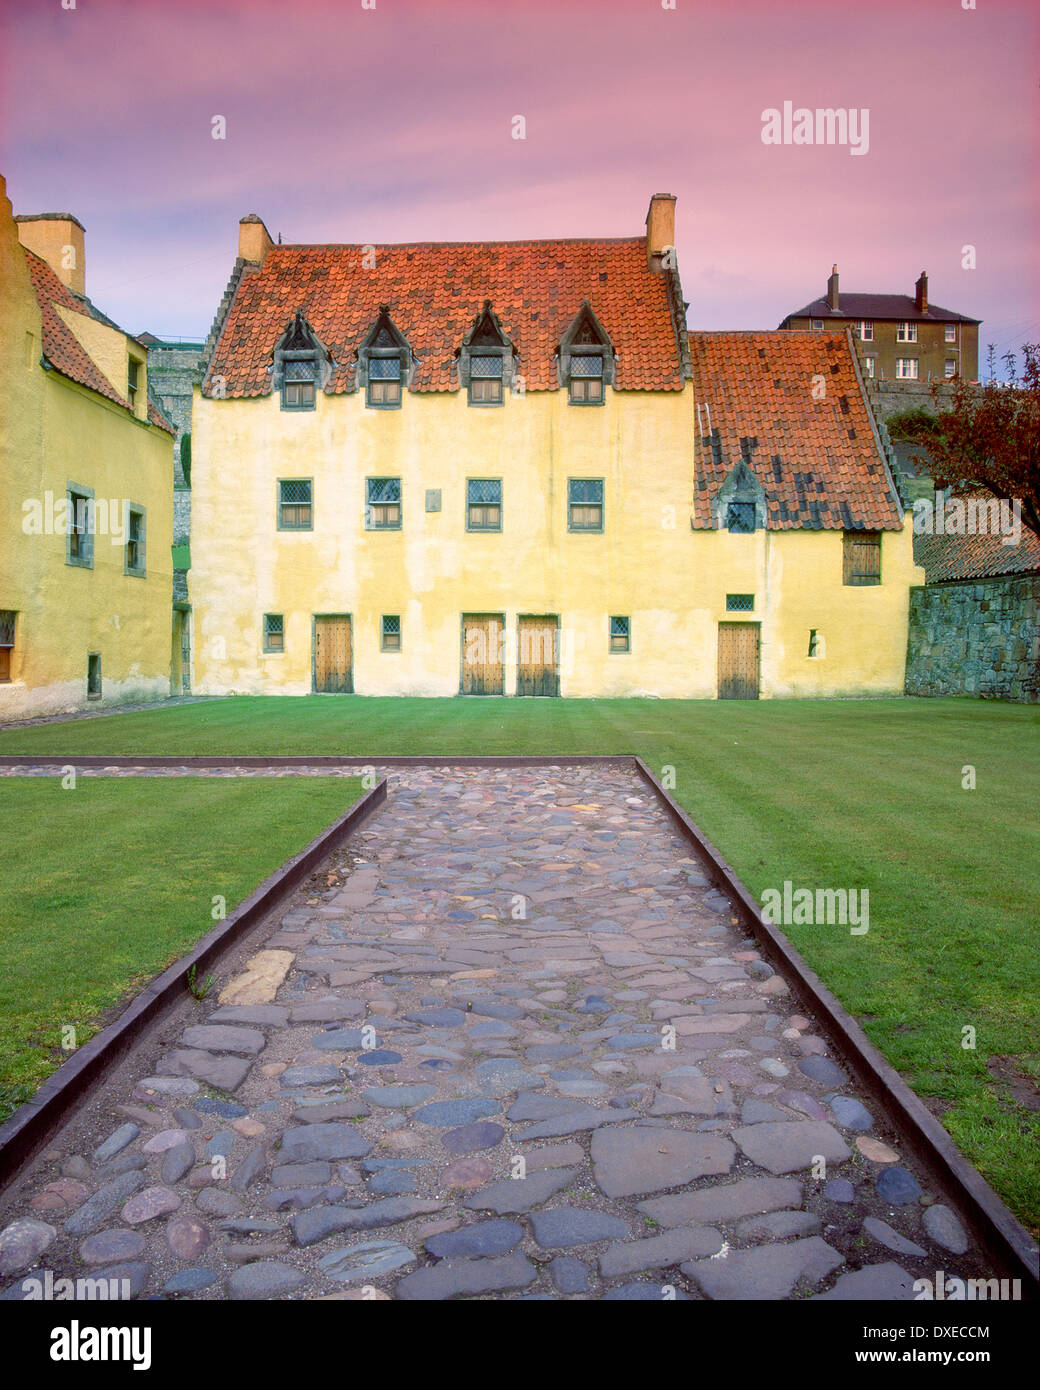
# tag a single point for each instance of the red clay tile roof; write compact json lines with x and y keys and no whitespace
{"x":976,"y":557}
{"x":816,"y":459}
{"x":62,"y":348}
{"x":435,"y":290}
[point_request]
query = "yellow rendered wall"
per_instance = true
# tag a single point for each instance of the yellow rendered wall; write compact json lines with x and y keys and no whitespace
{"x":53,"y":433}
{"x":648,"y":564}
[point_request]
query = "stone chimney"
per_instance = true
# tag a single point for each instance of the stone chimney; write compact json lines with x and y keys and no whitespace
{"x":921,"y":293}
{"x":832,"y":288}
{"x":660,"y":228}
{"x":254,"y":240}
{"x":57,"y":237}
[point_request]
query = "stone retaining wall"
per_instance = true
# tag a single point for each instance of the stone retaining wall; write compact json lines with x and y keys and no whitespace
{"x":979,"y":637}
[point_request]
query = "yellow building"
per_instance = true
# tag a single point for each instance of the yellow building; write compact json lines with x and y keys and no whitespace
{"x":505,"y":468}
{"x":86,"y":488}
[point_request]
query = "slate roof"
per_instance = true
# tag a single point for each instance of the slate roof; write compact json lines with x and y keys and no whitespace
{"x":946,"y":558}
{"x":435,"y":291}
{"x":901,"y":308}
{"x":817,"y":460}
{"x":62,"y":348}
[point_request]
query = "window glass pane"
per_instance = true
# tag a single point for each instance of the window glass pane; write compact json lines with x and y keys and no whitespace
{"x":384,"y":489}
{"x":301,"y":371}
{"x":485,"y":366}
{"x":740,"y":603}
{"x":590,"y":365}
{"x":740,"y":516}
{"x":586,"y":489}
{"x":294,"y":490}
{"x":384,"y":368}
{"x":484,"y":490}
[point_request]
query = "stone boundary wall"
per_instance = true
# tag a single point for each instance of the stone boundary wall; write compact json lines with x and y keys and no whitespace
{"x":976,"y":637}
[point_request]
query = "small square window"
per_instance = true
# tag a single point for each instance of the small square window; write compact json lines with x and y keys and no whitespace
{"x":740,"y":603}
{"x":274,"y":632}
{"x":383,"y":504}
{"x":817,"y":325}
{"x":7,"y":617}
{"x":585,"y":504}
{"x":94,"y":676}
{"x":384,"y":382}
{"x":906,"y":333}
{"x":295,"y":504}
{"x":484,"y":504}
{"x":79,"y":527}
{"x":391,"y":632}
{"x":950,"y":333}
{"x":620,"y":635}
{"x":298,"y":385}
{"x":861,"y":553}
{"x":135,"y":542}
{"x":740,"y":517}
{"x":485,"y":380}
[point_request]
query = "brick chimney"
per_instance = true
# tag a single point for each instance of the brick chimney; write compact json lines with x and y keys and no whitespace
{"x":921,"y":293}
{"x":660,"y":228}
{"x":58,"y":238}
{"x":254,"y":240}
{"x":832,"y":288}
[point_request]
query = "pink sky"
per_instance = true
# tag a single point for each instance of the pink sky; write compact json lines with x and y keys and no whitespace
{"x":394,"y":124}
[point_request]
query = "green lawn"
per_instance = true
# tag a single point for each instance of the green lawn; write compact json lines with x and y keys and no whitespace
{"x":107,"y":883}
{"x":843,"y":793}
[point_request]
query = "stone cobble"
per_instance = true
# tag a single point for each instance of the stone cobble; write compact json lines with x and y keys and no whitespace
{"x":515,"y":1047}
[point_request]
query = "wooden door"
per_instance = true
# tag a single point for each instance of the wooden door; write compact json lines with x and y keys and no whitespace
{"x":333,"y":655}
{"x":738,"y":661}
{"x":482,"y":656}
{"x":538,"y":656}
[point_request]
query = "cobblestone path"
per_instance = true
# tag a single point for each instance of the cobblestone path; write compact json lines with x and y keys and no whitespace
{"x":514,"y":1046}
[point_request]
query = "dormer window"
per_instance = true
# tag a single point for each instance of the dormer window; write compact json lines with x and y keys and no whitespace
{"x":586,"y":358}
{"x":301,"y":365}
{"x":384,"y":362}
{"x":740,"y":506}
{"x":740,"y":517}
{"x":486,"y":359}
{"x":133,"y":381}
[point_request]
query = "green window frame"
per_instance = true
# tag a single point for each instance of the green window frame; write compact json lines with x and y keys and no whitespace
{"x":391,"y":632}
{"x":79,"y":526}
{"x":295,"y":504}
{"x":586,"y":378}
{"x":8,"y":619}
{"x":383,"y":387}
{"x":134,"y":559}
{"x":483,"y":504}
{"x":486,"y":373}
{"x":300,"y":383}
{"x":584,"y":504}
{"x":274,"y":633}
{"x":620,"y":635}
{"x":383,"y":504}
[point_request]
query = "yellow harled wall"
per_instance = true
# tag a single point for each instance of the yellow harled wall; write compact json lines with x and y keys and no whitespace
{"x":647,"y":565}
{"x":52,"y":433}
